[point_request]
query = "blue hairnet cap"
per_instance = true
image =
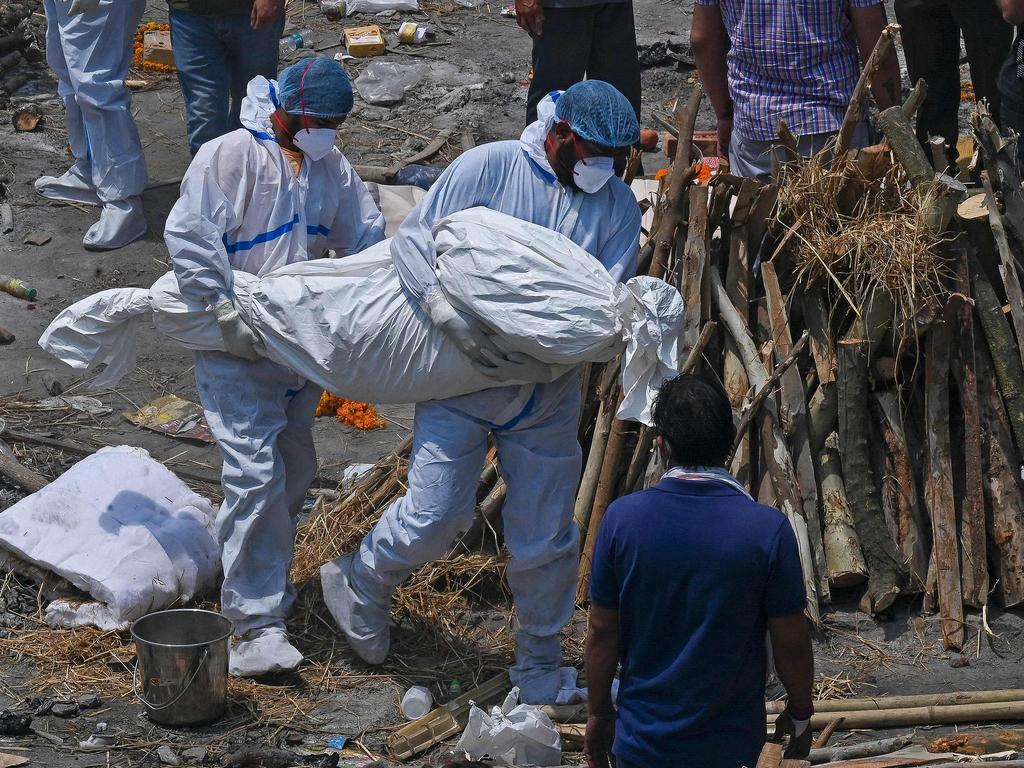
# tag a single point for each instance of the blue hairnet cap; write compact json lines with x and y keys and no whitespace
{"x":316,"y":87}
{"x":597,"y":112}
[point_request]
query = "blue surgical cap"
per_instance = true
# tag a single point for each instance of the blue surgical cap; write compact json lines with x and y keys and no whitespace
{"x":316,"y":87}
{"x":597,"y":112}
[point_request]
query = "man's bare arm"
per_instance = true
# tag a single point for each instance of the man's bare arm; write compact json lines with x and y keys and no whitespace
{"x":710,"y":43}
{"x":868,"y":24}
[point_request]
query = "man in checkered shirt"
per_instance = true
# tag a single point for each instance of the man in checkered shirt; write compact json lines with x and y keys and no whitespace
{"x":797,"y":61}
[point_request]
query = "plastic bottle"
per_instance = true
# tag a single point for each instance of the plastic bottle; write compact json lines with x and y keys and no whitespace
{"x":302,"y":38}
{"x":16,"y":287}
{"x":334,"y":10}
{"x":454,"y":689}
{"x":416,"y":702}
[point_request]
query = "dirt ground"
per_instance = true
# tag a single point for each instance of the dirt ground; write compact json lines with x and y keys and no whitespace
{"x":476,"y":68}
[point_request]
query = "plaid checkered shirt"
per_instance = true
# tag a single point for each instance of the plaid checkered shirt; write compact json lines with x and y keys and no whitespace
{"x":792,"y":60}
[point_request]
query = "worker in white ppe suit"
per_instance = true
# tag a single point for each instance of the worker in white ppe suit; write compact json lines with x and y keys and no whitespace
{"x":271,"y":193}
{"x":559,"y":175}
{"x":89,"y":48}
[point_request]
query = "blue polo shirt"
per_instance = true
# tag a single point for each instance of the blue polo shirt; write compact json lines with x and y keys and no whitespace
{"x":694,"y":569}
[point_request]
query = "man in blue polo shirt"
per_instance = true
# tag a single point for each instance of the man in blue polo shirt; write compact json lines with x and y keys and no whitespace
{"x":689,"y":578}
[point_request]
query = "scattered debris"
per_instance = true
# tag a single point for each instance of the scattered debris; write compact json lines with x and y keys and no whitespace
{"x":37,"y":237}
{"x":80,"y":403}
{"x":167,"y":756}
{"x":14,"y":724}
{"x":385,"y":83}
{"x":18,"y":287}
{"x":6,"y":218}
{"x":6,"y":337}
{"x":173,"y":416}
{"x":194,"y":755}
{"x":89,"y":701}
{"x":26,"y":119}
{"x":11,"y":761}
{"x":156,"y":48}
{"x":362,"y":42}
{"x":64,"y":709}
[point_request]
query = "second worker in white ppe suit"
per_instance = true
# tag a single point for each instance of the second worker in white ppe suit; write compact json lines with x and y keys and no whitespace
{"x":560,"y":176}
{"x":274,"y":192}
{"x":89,"y":48}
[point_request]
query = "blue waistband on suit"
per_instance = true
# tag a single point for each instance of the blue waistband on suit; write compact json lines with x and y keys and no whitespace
{"x":522,"y":414}
{"x":320,"y":229}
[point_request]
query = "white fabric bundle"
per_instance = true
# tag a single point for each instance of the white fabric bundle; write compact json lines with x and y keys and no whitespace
{"x":347,"y":325}
{"x":121,"y":527}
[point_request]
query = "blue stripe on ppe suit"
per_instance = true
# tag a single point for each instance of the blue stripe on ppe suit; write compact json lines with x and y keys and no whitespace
{"x":537,"y":447}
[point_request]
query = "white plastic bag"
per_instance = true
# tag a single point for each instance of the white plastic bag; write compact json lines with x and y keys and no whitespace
{"x":384,"y":82}
{"x":121,"y":527}
{"x":511,"y":735}
{"x":376,"y":6}
{"x":347,"y":325}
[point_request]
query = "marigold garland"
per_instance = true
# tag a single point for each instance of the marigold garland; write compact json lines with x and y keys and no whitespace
{"x":359,"y":415}
{"x":137,"y":52}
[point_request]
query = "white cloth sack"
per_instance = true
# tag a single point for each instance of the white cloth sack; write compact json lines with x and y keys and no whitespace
{"x":121,"y":527}
{"x":511,"y":735}
{"x":376,"y":6}
{"x":347,"y":325}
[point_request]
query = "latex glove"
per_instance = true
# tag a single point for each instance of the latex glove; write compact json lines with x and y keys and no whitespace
{"x":465,"y":332}
{"x":82,"y":6}
{"x":516,"y":366}
{"x":239,"y":340}
{"x":799,"y":732}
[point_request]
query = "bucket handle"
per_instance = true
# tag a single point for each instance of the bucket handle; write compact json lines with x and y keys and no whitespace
{"x":182,"y":692}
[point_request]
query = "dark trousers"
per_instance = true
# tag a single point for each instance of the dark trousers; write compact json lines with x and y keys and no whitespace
{"x":931,"y":41}
{"x":596,"y":41}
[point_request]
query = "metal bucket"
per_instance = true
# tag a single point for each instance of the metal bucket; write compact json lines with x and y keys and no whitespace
{"x":183,"y":661}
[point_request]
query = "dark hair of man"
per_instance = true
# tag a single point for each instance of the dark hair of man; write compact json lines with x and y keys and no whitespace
{"x":693,"y":415}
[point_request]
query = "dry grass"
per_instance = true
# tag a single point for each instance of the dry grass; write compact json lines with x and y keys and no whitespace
{"x":856,"y":228}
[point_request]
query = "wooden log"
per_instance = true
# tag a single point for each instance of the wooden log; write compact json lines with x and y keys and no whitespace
{"x":771,"y":755}
{"x":939,"y":487}
{"x":1005,"y":353}
{"x":595,"y":460}
{"x":953,"y":698}
{"x":1003,"y":490}
{"x":12,"y":42}
{"x":886,"y":569}
{"x":694,"y":260}
{"x":864,"y":749}
{"x":606,"y":487}
{"x":794,"y":411}
{"x":855,"y":110}
{"x":844,"y":559}
{"x":777,"y":457}
{"x":823,"y":348}
{"x":1007,"y":266}
{"x":18,"y":473}
{"x":822,"y":739}
{"x":1000,"y":159}
{"x":680,"y":175}
{"x":900,"y":484}
{"x":974,"y":562}
{"x":738,"y":280}
{"x":922,"y":715}
{"x":905,"y":146}
{"x":915,"y":99}
{"x":937,"y":150}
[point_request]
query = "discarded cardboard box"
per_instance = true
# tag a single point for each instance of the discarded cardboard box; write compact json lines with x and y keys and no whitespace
{"x":156,"y":48}
{"x":364,"y":41}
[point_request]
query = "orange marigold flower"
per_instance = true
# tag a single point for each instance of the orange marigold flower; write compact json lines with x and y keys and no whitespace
{"x":359,"y":415}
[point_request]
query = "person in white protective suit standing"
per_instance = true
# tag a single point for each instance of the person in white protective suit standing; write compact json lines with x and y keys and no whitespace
{"x":274,"y":192}
{"x":558,"y":175}
{"x":89,"y":48}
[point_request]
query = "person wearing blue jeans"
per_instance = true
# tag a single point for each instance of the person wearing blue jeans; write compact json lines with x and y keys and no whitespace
{"x":219,"y":46}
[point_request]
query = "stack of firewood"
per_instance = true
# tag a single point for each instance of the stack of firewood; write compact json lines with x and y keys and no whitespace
{"x":22,"y":35}
{"x":870,"y":341}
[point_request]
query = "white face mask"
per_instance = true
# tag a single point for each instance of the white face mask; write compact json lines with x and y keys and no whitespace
{"x":593,"y":173}
{"x":315,"y":143}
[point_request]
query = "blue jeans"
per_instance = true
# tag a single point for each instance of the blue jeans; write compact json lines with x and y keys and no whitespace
{"x":216,"y":57}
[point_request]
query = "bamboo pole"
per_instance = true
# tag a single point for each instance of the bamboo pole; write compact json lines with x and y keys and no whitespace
{"x":592,"y":472}
{"x":1007,"y":267}
{"x":951,"y":698}
{"x":694,"y":260}
{"x":855,"y":110}
{"x":939,"y":487}
{"x":921,"y":715}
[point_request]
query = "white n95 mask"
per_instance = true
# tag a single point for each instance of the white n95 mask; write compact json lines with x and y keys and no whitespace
{"x":593,"y":173}
{"x":315,"y":143}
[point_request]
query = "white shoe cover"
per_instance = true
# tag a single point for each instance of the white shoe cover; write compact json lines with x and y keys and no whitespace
{"x":73,"y":187}
{"x":366,"y":626}
{"x":120,"y":223}
{"x":263,"y":652}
